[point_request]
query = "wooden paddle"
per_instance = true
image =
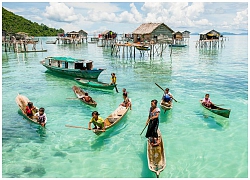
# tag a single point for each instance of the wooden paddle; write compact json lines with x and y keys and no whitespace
{"x":144,"y":127}
{"x":72,"y":98}
{"x":82,"y":127}
{"x":164,"y":91}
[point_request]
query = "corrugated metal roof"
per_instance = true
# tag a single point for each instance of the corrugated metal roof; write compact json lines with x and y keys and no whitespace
{"x":148,"y":28}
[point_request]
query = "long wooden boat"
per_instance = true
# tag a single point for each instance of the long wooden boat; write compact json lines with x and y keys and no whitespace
{"x":143,"y":48}
{"x":72,"y":67}
{"x":113,"y":118}
{"x":95,"y":84}
{"x":164,"y":107}
{"x":22,"y":102}
{"x":80,"y":94}
{"x":218,"y":110}
{"x":156,"y":156}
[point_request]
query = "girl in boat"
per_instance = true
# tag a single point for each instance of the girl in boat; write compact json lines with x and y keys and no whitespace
{"x":126,"y":103}
{"x":30,"y":109}
{"x":153,"y":120}
{"x":207,"y":102}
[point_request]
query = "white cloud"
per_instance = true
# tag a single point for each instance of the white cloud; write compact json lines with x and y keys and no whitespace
{"x":102,"y":6}
{"x":60,"y":12}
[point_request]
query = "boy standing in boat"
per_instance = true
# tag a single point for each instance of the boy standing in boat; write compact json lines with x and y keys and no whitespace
{"x":97,"y":121}
{"x":113,"y":80}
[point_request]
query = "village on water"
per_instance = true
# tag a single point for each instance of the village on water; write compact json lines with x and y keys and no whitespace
{"x":150,"y":38}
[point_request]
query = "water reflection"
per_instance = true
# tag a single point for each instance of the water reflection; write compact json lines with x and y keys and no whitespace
{"x":213,"y":121}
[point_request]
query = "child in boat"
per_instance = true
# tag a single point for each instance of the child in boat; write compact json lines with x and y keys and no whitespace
{"x":126,"y":103}
{"x":41,"y":117}
{"x":30,"y":109}
{"x":153,"y":121}
{"x":167,"y":98}
{"x":113,"y":78}
{"x":207,"y":102}
{"x":87,"y":98}
{"x":98,"y":122}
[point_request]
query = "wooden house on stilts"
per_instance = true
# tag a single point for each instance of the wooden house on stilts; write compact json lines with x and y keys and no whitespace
{"x":209,"y":39}
{"x":151,"y":38}
{"x":106,"y":38}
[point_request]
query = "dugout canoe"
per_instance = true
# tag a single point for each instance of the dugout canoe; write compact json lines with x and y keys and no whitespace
{"x":80,"y":94}
{"x":22,"y":102}
{"x":113,"y":118}
{"x":95,"y":84}
{"x":218,"y":110}
{"x":165,"y":107}
{"x":156,"y":156}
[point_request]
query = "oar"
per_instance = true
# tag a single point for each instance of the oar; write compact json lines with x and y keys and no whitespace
{"x":164,"y":91}
{"x":82,"y":127}
{"x":144,"y":127}
{"x":72,"y":98}
{"x":76,"y":126}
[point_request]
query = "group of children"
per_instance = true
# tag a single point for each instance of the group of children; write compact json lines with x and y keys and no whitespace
{"x":98,"y":122}
{"x":32,"y":112}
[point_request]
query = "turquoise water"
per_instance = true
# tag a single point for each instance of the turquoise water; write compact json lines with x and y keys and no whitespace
{"x":198,"y":144}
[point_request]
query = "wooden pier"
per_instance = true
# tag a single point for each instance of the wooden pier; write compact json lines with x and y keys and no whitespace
{"x":21,"y":46}
{"x":129,"y":49}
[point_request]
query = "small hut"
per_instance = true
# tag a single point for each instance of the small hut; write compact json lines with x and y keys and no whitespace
{"x":209,"y":35}
{"x":186,"y":34}
{"x":108,"y":34}
{"x":150,"y":31}
{"x":177,"y":35}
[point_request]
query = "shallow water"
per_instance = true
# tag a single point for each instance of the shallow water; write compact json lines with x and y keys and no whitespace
{"x":198,"y":143}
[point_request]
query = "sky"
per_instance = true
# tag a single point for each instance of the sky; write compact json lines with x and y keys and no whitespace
{"x":125,"y":17}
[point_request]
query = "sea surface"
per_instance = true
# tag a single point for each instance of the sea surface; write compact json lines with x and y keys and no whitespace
{"x":198,"y":143}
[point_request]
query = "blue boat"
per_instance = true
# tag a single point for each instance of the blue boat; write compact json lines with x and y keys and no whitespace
{"x":177,"y":45}
{"x":72,"y":67}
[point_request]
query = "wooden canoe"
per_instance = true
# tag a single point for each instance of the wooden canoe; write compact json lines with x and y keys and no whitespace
{"x":165,"y":107}
{"x":80,"y":94}
{"x":143,"y":48}
{"x":22,"y":102}
{"x":156,"y":156}
{"x":218,"y":110}
{"x":95,"y":84}
{"x":113,"y":118}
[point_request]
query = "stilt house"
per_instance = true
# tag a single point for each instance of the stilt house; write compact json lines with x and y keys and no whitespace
{"x":209,"y":35}
{"x":150,"y":31}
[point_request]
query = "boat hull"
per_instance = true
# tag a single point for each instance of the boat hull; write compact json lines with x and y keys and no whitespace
{"x":94,"y":84}
{"x":218,"y":110}
{"x":156,"y":156}
{"x":22,"y":102}
{"x":87,"y":74}
{"x":113,"y":118}
{"x":164,"y":107}
{"x":80,"y":93}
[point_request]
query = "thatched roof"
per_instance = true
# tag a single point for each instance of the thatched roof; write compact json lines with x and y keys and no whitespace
{"x":148,"y":28}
